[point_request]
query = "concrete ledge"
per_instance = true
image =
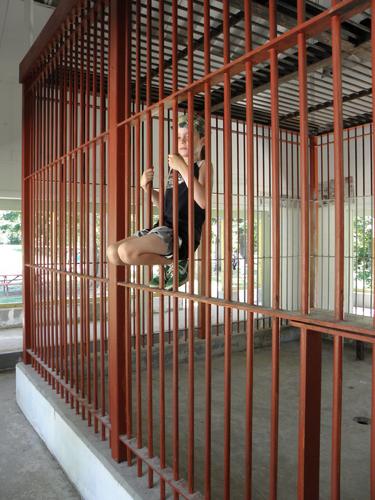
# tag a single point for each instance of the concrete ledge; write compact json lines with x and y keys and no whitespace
{"x":11,"y":317}
{"x":84,"y":457}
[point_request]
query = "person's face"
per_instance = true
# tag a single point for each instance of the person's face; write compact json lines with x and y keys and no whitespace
{"x":183,"y":143}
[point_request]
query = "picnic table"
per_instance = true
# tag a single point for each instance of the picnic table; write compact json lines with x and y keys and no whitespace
{"x":9,"y":279}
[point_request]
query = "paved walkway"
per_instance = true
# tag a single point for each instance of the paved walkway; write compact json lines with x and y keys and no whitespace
{"x":27,"y":468}
{"x":10,"y":340}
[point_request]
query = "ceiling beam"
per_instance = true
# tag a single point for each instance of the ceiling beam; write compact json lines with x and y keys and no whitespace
{"x":359,"y":51}
{"x":328,"y":104}
{"x":198,"y":44}
{"x":262,"y":11}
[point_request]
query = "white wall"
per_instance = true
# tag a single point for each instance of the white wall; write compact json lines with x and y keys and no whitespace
{"x":13,"y":47}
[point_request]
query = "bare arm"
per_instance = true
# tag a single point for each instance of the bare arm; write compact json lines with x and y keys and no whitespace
{"x":199,"y":184}
{"x":146,"y":183}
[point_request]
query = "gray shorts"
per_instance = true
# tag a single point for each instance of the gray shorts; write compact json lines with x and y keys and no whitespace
{"x":163,"y":232}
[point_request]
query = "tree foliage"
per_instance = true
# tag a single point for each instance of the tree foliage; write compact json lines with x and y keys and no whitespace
{"x":362,"y":240}
{"x":10,"y":227}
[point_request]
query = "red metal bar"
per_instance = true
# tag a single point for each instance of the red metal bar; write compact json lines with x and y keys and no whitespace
{"x":227,"y":125}
{"x":55,"y":226}
{"x":27,"y":225}
{"x":190,"y":329}
{"x":70,"y":210}
{"x":43,"y":224}
{"x":149,"y":297}
{"x":275,"y":208}
{"x":137,"y":224}
{"x":372,"y":439}
{"x":75,"y":210}
{"x":336,"y":418}
{"x":161,"y":274}
{"x":207,"y":242}
{"x":309,"y":414}
{"x":116,"y":227}
{"x":339,"y":254}
{"x":338,"y":166}
{"x":94,"y":216}
{"x":82,"y":219}
{"x":250,"y":252}
{"x":127,"y":189}
{"x":304,"y":131}
{"x":63,"y":218}
{"x":314,"y":216}
{"x":175,"y":375}
{"x":87,"y":167}
{"x":74,"y":394}
{"x":103,"y":232}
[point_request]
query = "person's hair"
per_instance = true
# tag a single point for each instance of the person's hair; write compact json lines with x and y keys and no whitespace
{"x":198,"y":123}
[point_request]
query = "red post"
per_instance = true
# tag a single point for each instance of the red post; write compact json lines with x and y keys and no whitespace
{"x":309,"y":415}
{"x":26,"y":226}
{"x":116,"y":227}
{"x":275,"y":209}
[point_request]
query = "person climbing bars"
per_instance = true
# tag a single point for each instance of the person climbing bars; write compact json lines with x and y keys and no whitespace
{"x":154,"y":246}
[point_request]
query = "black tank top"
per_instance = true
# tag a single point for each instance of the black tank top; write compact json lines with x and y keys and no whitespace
{"x":183,"y":211}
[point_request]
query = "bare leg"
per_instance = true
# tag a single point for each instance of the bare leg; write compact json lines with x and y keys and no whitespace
{"x":147,"y":250}
{"x":112,"y":251}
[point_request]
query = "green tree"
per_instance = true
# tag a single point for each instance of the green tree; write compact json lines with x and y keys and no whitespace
{"x":10,"y":226}
{"x":362,"y":243}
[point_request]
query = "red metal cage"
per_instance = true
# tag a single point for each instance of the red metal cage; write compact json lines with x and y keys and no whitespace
{"x":292,"y":181}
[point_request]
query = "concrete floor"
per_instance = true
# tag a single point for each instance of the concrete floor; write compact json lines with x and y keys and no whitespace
{"x":32,"y":456}
{"x":11,"y":340}
{"x":27,"y":468}
{"x":355,"y":437}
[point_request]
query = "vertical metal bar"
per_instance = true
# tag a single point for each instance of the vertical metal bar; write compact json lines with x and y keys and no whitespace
{"x":94,"y":212}
{"x":304,"y":129}
{"x":309,"y":414}
{"x":82,"y":155}
{"x":43,"y":219}
{"x":63,"y":216}
{"x":250,"y":252}
{"x":27,"y":195}
{"x":55,"y":212}
{"x":373,"y":185}
{"x":149,"y":301}
{"x":275,"y":253}
{"x":48,"y":232}
{"x":218,"y":223}
{"x":338,"y":168}
{"x":207,"y":243}
{"x":70,"y":206}
{"x":314,"y":217}
{"x":372,"y":439}
{"x":87,"y":167}
{"x":127,"y":188}
{"x":137,"y":224}
{"x":339,"y":254}
{"x":75,"y":205}
{"x":336,"y":417}
{"x":175,"y":376}
{"x":227,"y":126}
{"x":161,"y":274}
{"x":191,"y":239}
{"x":102,"y":123}
{"x":116,"y":227}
